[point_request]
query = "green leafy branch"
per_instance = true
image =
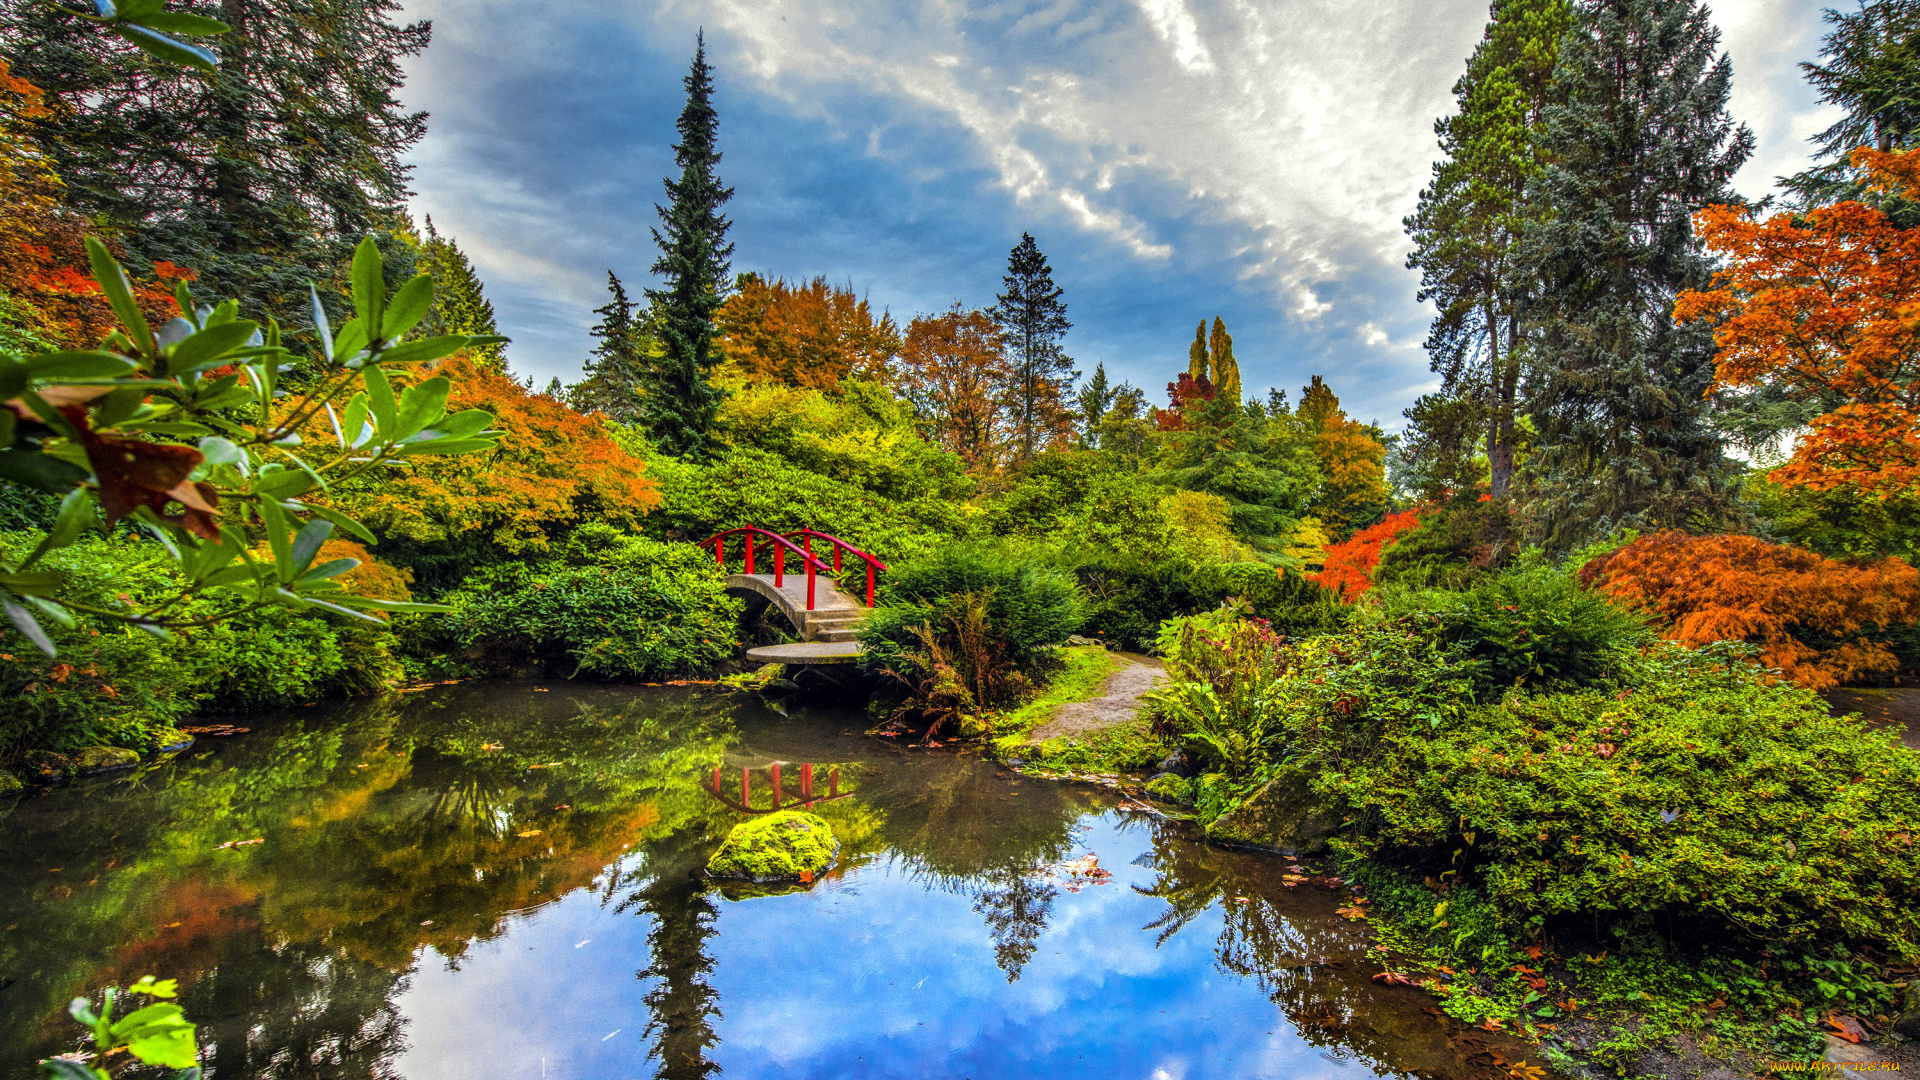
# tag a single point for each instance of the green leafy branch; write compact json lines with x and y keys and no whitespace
{"x":156,"y":1033}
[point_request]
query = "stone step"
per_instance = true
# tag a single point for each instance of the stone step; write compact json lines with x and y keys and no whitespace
{"x":828,"y":622}
{"x":837,"y":633}
{"x":806,"y":652}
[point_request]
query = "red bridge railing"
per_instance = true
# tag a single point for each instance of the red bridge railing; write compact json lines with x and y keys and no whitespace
{"x":778,"y":545}
{"x":780,"y":798}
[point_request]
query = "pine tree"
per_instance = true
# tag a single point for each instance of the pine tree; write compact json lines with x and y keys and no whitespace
{"x":1640,"y":139}
{"x":616,"y":372}
{"x":1468,"y":224}
{"x":1034,"y":316}
{"x":1225,"y":370}
{"x":1871,"y":69}
{"x":680,"y":403}
{"x":460,"y":304}
{"x":1094,"y":399}
{"x":260,"y":176}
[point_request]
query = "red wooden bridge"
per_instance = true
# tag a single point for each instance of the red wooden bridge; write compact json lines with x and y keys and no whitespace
{"x":813,"y":595}
{"x":778,"y":797}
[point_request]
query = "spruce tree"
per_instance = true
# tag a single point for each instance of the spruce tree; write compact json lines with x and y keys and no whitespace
{"x":1468,"y":223}
{"x":1639,"y":139}
{"x":1035,"y":317}
{"x":680,"y":404}
{"x":1095,"y":398}
{"x":617,"y":370}
{"x":1225,"y":370}
{"x":460,"y":304}
{"x":262,"y":175}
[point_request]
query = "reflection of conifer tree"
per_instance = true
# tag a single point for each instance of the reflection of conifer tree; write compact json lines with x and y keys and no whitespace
{"x":1016,"y":906}
{"x":684,"y":1003}
{"x":289,"y":1009}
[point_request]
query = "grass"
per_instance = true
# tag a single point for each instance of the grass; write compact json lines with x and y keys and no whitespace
{"x":1123,"y":747}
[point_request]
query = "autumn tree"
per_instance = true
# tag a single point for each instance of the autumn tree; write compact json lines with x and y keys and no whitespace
{"x":460,"y":304}
{"x":617,"y":371}
{"x":1467,"y":228}
{"x":810,"y":335}
{"x":679,"y":401}
{"x":1639,"y":138}
{"x":553,"y":468}
{"x":262,"y":173}
{"x":1818,"y":620}
{"x":1222,"y":367}
{"x":954,"y":368}
{"x":1822,"y":307}
{"x":1033,"y":315}
{"x":1349,"y":565}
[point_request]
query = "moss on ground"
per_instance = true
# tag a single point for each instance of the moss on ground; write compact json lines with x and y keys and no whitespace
{"x":787,"y":845}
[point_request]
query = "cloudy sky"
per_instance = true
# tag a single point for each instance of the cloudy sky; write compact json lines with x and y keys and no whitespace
{"x":1175,"y":159}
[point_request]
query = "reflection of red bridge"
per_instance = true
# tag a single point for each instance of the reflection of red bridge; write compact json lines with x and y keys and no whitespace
{"x":780,"y":798}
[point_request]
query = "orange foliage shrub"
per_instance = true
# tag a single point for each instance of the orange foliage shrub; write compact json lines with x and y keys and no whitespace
{"x":1826,"y":304}
{"x":1739,"y":588}
{"x":1350,"y":563}
{"x":553,"y":466}
{"x":372,"y":577}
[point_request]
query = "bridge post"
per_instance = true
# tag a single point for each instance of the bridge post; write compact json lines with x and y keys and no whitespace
{"x":720,"y":551}
{"x":749,"y":553}
{"x":869,"y":584}
{"x":776,"y":785}
{"x":806,"y":781}
{"x":809,"y":584}
{"x":779,"y":564}
{"x":746,"y":787}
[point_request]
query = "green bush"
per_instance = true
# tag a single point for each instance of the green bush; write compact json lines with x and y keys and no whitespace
{"x":614,"y":607}
{"x":116,"y":685}
{"x":1699,"y":791}
{"x":1532,"y":625}
{"x":1130,"y":594}
{"x":1451,"y":549}
{"x":1014,"y":600}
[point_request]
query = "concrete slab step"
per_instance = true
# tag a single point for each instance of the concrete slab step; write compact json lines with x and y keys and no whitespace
{"x":807,"y":652}
{"x":838,"y":633}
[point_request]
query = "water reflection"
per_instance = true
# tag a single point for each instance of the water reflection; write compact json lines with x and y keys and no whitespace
{"x":500,"y":880}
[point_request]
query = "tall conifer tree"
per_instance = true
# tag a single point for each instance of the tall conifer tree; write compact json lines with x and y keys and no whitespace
{"x":1094,"y":398}
{"x":1468,"y":225}
{"x":1639,"y":138}
{"x":680,"y":403}
{"x":460,"y":304}
{"x":617,"y":370}
{"x":1035,"y":317}
{"x":261,"y":175}
{"x":1199,"y":364}
{"x":1220,"y":359}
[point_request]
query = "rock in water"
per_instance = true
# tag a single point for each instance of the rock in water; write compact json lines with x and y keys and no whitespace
{"x":96,"y":759}
{"x":1285,"y":815}
{"x":785,"y":846}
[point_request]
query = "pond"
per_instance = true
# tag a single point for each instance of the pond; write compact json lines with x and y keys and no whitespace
{"x":500,"y":880}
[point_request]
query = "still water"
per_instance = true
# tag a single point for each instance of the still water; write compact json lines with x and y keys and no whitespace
{"x":500,"y":880}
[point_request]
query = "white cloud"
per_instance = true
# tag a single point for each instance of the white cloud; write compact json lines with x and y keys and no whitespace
{"x":1175,"y":25}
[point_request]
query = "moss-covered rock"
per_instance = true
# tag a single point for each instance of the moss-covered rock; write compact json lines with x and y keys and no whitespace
{"x":1170,"y":788}
{"x":46,"y":767}
{"x":1284,"y":815}
{"x":10,"y":783}
{"x":788,"y":845}
{"x":96,"y":759}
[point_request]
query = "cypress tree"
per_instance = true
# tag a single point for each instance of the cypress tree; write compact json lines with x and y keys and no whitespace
{"x":1034,"y":316}
{"x":1225,"y":369}
{"x":1639,"y":138}
{"x":1468,"y":223}
{"x":460,"y":304}
{"x":1199,"y":366}
{"x":260,"y":176}
{"x":617,"y":370}
{"x":680,"y":403}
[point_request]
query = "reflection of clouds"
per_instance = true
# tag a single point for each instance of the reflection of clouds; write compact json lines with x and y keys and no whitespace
{"x":1176,"y":158}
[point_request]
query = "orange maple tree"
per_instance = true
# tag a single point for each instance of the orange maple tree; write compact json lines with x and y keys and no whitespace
{"x":1777,"y":596}
{"x":1826,"y":304}
{"x":954,"y":367}
{"x":553,"y":466}
{"x":810,"y":335}
{"x":1349,"y":564}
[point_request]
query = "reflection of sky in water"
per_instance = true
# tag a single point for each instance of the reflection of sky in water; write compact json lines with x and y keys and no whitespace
{"x":873,"y":975}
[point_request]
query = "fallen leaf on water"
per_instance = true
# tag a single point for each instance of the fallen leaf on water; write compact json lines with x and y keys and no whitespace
{"x":806,"y":877}
{"x":1524,"y":1071}
{"x":1393,"y":978}
{"x":1290,"y":880}
{"x":491,"y":746}
{"x":426,"y":922}
{"x":529,"y":832}
{"x":1492,"y":1023}
{"x":215,"y":730}
{"x":1350,"y":912}
{"x":239,"y":843}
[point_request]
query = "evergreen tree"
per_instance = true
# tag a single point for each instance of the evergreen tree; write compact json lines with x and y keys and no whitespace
{"x":616,"y":372}
{"x":1870,"y":68}
{"x":460,"y":304}
{"x":680,"y":403}
{"x":261,"y":175}
{"x":1199,"y":364}
{"x":1094,"y":399}
{"x":1468,"y":224}
{"x":1034,"y":316}
{"x":1639,"y":138}
{"x":1224,"y":369}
